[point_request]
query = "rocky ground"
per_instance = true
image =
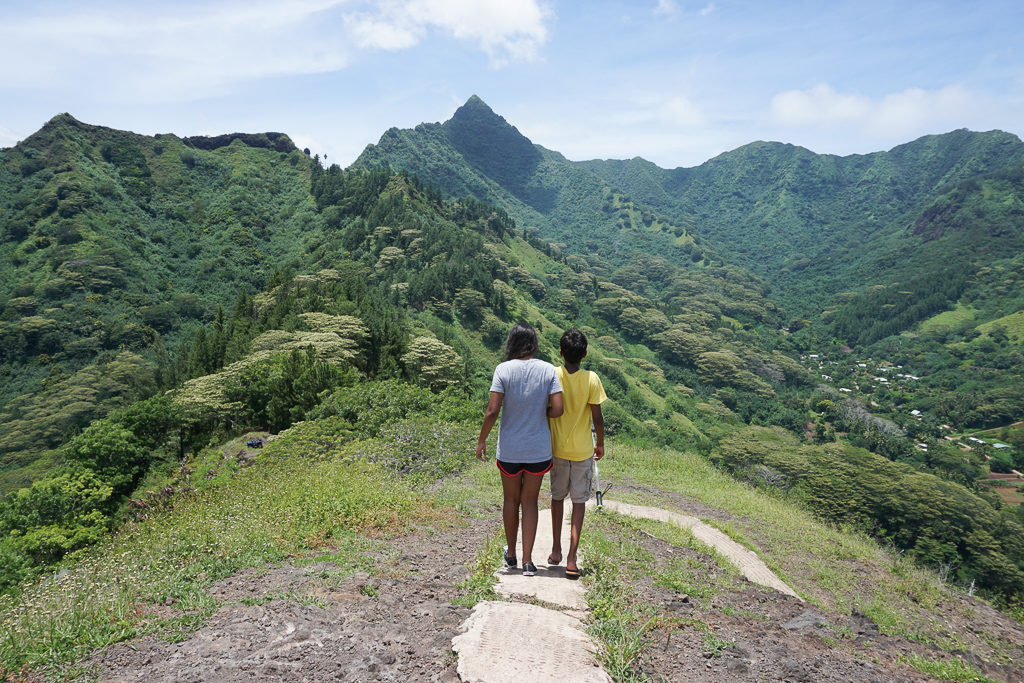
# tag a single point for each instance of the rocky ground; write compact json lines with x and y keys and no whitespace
{"x":396,"y":623}
{"x":312,"y":623}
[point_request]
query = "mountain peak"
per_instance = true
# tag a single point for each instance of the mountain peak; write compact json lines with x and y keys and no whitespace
{"x":476,"y":110}
{"x":492,"y":144}
{"x":474,"y":102}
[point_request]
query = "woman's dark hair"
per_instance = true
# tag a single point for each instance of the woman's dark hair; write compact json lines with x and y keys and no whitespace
{"x":521,"y":341}
{"x":573,"y":345}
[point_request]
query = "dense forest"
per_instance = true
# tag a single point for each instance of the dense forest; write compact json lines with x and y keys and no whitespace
{"x":159,"y":295}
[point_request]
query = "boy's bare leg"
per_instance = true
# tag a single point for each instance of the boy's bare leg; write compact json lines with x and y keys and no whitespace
{"x":557,"y":512}
{"x":575,"y":527}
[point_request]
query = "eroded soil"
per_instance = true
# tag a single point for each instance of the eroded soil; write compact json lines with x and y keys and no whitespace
{"x":318,"y":623}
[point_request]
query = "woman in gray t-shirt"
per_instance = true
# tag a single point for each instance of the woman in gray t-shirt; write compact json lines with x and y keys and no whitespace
{"x":526,"y":392}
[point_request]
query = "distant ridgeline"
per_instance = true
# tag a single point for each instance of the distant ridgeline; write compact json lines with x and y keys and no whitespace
{"x":158,"y":294}
{"x":861,"y":252}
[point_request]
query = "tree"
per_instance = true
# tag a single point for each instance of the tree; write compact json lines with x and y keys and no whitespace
{"x":678,"y":346}
{"x":111,"y":451}
{"x":469,"y":304}
{"x":723,"y":367}
{"x":280,"y":390}
{"x":53,"y":517}
{"x":632,"y":322}
{"x":432,"y":363}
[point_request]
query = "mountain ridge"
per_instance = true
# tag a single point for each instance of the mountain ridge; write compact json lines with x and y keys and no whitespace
{"x":770,"y":225}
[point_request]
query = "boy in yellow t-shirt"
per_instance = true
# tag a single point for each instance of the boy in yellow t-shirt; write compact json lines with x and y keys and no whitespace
{"x":572,"y":447}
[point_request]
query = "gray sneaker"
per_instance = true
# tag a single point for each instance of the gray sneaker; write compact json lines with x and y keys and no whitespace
{"x":509,"y":561}
{"x":529,"y":569}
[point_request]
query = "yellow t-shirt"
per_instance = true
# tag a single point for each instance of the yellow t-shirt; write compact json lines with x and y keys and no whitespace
{"x":570,"y":433}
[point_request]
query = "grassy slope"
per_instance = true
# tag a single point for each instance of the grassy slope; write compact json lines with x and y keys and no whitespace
{"x":291,"y":504}
{"x":332,"y":507}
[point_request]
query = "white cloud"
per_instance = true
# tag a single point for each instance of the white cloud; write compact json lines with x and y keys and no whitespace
{"x":913,"y":109}
{"x":189,"y":51}
{"x":178,"y":52}
{"x":821,"y":105}
{"x":671,"y":114}
{"x":374,"y":33}
{"x":707,"y":9}
{"x":506,"y":31}
{"x":666,"y":7}
{"x":910,"y":112}
{"x":679,"y":111}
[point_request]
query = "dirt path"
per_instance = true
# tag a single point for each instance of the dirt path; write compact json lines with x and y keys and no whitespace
{"x":398,"y":622}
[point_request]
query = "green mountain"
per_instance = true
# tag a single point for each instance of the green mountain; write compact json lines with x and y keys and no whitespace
{"x":161,"y":295}
{"x":121,"y":249}
{"x":858,"y":252}
{"x":811,"y":225}
{"x":117,"y":246}
{"x":478,"y":154}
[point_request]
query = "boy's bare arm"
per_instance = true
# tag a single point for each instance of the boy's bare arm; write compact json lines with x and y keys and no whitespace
{"x":598,"y":420}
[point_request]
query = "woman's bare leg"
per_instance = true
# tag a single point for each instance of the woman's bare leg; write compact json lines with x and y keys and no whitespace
{"x":512,"y":488}
{"x":529,"y":493}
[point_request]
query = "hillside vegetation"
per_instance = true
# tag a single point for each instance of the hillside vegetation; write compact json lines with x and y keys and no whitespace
{"x":854,"y":255}
{"x":115,"y":248}
{"x":400,"y":284}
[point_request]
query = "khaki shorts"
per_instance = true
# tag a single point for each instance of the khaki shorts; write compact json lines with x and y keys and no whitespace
{"x":572,"y":479}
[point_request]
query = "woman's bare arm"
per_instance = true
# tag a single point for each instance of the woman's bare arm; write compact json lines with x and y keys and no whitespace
{"x":555,"y":405}
{"x":490,"y":416}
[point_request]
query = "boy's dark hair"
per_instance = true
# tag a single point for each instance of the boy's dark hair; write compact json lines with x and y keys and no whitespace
{"x":573,"y":345}
{"x":521,"y":341}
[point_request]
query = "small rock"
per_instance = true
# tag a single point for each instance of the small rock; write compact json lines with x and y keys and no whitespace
{"x":737,"y":666}
{"x":806,"y":619}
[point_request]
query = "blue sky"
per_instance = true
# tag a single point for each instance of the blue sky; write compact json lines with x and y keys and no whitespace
{"x":672,"y":81}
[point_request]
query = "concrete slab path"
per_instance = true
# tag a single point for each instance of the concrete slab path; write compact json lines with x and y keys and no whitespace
{"x":747,"y":561}
{"x":515,"y":641}
{"x":522,"y":640}
{"x":554,"y":588}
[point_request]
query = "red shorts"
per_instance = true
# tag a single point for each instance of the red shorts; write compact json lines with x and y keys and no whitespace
{"x":514,"y":469}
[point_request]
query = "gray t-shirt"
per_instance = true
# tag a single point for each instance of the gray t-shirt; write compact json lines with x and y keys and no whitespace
{"x":524,"y":435}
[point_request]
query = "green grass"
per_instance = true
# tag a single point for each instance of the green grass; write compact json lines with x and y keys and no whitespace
{"x":619,"y":620}
{"x":480,"y":583}
{"x":948,"y":320}
{"x":948,"y":669}
{"x":280,"y":508}
{"x":684,"y":576}
{"x":824,"y":564}
{"x":1013,"y":324}
{"x":681,"y":537}
{"x":476,"y":487}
